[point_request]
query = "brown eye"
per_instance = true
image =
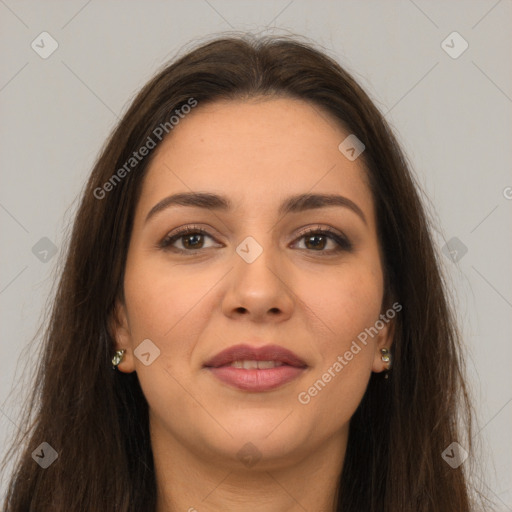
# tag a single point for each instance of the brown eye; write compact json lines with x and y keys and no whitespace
{"x":192,"y":240}
{"x":316,"y":240}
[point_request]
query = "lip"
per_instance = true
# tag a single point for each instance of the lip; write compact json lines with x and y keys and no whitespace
{"x":266,"y":353}
{"x":256,"y":380}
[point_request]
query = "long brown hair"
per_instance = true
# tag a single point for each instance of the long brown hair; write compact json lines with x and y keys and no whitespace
{"x":96,"y":419}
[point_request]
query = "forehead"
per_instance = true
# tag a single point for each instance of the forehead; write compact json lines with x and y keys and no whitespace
{"x":256,"y":152}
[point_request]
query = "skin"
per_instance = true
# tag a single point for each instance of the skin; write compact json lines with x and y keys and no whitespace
{"x":192,"y":306}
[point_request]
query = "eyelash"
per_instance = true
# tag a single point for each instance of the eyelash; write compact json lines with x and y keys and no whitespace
{"x":343,"y":243}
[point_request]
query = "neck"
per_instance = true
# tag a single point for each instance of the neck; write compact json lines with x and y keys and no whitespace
{"x":190,"y":481}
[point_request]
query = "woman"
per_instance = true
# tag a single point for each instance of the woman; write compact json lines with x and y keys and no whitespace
{"x":252,"y":258}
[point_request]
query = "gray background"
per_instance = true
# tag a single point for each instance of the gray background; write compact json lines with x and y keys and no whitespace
{"x":453,"y":117}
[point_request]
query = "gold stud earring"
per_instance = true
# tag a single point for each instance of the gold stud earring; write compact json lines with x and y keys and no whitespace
{"x":386,"y":357}
{"x":118,"y":357}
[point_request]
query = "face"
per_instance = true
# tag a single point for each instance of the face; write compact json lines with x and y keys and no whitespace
{"x":253,"y":275}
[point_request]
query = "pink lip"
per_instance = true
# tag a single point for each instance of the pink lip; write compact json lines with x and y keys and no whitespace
{"x":256,"y":379}
{"x":267,"y":353}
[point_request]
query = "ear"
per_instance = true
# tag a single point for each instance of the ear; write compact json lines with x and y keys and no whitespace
{"x":383,"y":339}
{"x":119,"y":327}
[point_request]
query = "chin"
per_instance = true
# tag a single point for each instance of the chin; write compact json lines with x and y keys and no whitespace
{"x":271,"y":438}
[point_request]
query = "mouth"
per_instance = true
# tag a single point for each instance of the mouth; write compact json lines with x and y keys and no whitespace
{"x":256,"y":369}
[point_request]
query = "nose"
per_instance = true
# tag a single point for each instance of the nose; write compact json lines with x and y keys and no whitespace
{"x":260,"y":289}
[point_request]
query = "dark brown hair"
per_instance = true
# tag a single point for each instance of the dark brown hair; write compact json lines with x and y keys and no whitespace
{"x":97,"y":419}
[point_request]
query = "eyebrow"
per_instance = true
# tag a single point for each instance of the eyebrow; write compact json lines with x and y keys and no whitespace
{"x":293,"y":204}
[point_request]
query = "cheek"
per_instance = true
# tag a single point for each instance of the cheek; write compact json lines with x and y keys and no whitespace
{"x":167,"y":308}
{"x":345,"y":302}
{"x":347,"y":305}
{"x":164,"y":300}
